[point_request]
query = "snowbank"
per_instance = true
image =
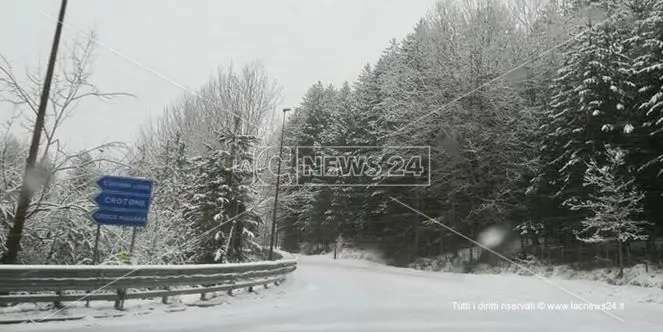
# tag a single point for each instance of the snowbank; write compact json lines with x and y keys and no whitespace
{"x":635,"y":276}
{"x":374,"y":256}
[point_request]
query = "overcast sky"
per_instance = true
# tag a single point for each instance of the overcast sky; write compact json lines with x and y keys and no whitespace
{"x":299,"y":41}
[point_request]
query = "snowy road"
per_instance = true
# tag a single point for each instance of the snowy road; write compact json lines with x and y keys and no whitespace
{"x":327,"y":295}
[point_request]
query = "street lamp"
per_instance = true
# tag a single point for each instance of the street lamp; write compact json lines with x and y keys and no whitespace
{"x":276,"y":193}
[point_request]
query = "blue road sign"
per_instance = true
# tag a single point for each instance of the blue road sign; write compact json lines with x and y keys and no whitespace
{"x":123,"y":201}
{"x":125,"y":185}
{"x":120,"y":218}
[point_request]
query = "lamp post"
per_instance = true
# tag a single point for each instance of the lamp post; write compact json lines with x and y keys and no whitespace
{"x":272,"y":238}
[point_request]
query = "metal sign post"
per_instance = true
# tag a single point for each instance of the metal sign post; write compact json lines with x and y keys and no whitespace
{"x":95,"y":254}
{"x":133,"y":242}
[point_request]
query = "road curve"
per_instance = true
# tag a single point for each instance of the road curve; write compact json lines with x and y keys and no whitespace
{"x":344,"y":295}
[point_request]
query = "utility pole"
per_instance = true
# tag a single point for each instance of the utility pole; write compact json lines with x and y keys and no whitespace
{"x":276,"y":194}
{"x":15,"y":233}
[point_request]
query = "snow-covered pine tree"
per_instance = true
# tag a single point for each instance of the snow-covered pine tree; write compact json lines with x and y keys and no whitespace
{"x":312,"y":126}
{"x":590,"y":108}
{"x":242,"y":244}
{"x":220,"y":201}
{"x":614,"y":205}
{"x":648,"y":69}
{"x":168,"y":230}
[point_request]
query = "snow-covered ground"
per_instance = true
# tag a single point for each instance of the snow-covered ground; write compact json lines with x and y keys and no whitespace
{"x":639,"y":275}
{"x":354,"y":295}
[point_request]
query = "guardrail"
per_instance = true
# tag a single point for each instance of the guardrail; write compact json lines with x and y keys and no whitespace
{"x":66,"y":283}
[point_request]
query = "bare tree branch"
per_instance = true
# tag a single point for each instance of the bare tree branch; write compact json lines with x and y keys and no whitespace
{"x":71,"y":84}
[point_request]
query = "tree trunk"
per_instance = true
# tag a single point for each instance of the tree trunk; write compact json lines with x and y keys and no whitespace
{"x":535,"y":239}
{"x":228,"y":241}
{"x":153,"y":246}
{"x":51,"y":252}
{"x":620,"y":259}
{"x":647,"y":250}
{"x":417,"y":239}
{"x":523,"y":247}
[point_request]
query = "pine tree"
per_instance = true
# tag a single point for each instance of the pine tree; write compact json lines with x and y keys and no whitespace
{"x":591,"y":107}
{"x":648,"y":68}
{"x":221,"y":197}
{"x":169,"y":229}
{"x":311,"y":129}
{"x":614,"y":204}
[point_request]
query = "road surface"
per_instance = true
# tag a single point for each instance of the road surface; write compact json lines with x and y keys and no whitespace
{"x":344,"y":295}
